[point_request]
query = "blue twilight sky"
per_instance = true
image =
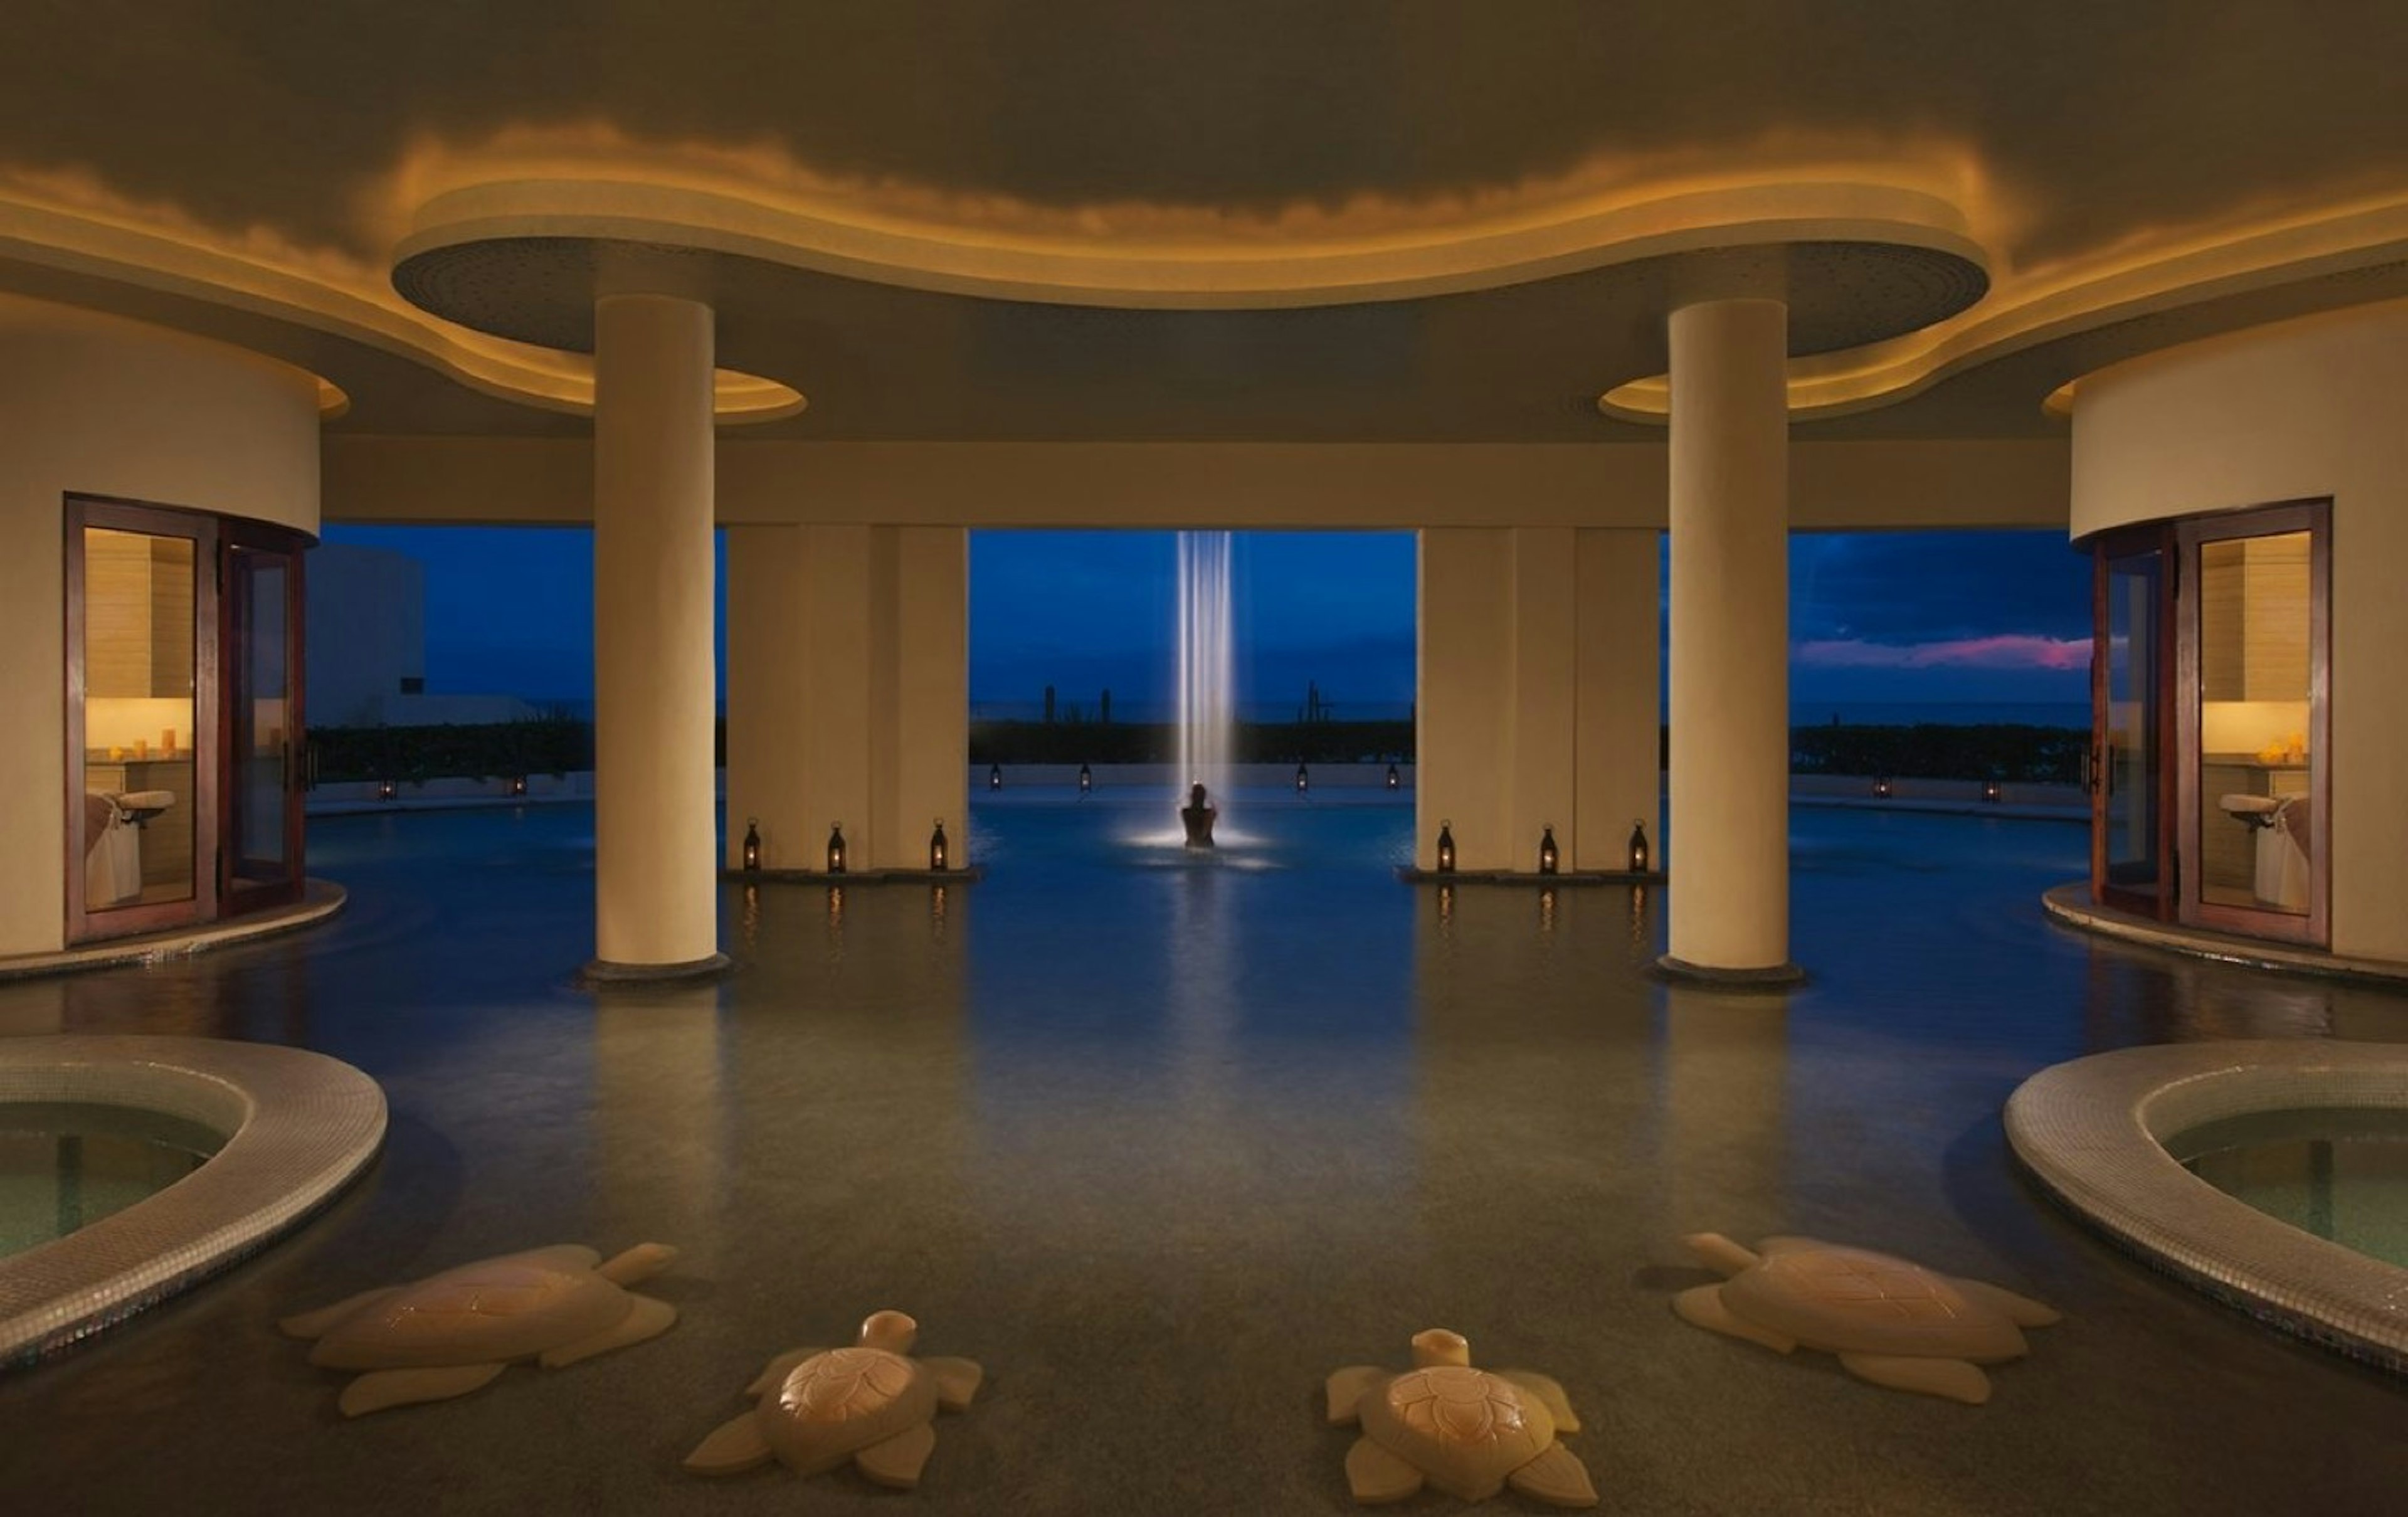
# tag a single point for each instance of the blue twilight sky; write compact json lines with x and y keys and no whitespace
{"x":1908,"y":616}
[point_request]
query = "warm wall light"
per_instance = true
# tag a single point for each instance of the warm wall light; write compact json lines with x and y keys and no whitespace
{"x":1086,"y":780}
{"x":1445,"y":848}
{"x":1880,"y":789}
{"x":1637,"y":846}
{"x":1548,"y":858}
{"x":751,"y":843}
{"x":836,"y":847}
{"x":937,"y":847}
{"x":1303,"y":780}
{"x":995,"y":776}
{"x":1395,"y":778}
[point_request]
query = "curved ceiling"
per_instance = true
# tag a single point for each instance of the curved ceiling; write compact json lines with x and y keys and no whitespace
{"x":1407,"y":221}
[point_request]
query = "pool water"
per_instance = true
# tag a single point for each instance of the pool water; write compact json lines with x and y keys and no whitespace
{"x":2340,"y":1173}
{"x":64,"y":1166}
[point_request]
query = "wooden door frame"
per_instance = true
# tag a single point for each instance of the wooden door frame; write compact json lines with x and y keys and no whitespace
{"x":2125,"y":542}
{"x":237,"y":895}
{"x":2315,"y":517}
{"x":150,"y":520}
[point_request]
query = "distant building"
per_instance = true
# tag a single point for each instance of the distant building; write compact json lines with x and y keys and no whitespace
{"x":366,"y":652}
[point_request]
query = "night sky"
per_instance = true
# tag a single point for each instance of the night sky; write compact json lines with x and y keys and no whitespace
{"x":1905,"y":618}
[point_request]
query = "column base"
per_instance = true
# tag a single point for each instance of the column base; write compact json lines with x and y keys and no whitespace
{"x":605,"y":972}
{"x":1775,"y":976}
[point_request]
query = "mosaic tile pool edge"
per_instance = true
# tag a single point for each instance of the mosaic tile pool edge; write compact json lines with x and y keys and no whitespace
{"x":2092,"y":1133}
{"x":300,"y":1127}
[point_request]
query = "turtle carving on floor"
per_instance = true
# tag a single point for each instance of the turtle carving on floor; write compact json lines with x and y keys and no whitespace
{"x":872,"y":1404}
{"x":451,"y":1333}
{"x":1890,"y":1321}
{"x":1468,"y":1432}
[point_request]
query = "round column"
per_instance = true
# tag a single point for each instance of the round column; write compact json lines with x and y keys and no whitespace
{"x":656,"y":896}
{"x":1728,"y":841}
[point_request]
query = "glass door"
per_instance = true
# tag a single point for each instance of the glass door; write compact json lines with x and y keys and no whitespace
{"x":262,"y":661}
{"x":141,"y":719}
{"x":2254,"y":809}
{"x":2131,"y":861}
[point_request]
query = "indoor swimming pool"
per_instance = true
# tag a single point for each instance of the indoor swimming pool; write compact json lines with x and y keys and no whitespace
{"x":1145,"y":1132}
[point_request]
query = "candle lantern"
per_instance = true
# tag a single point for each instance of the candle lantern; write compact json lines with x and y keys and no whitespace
{"x":518,"y":784}
{"x":751,"y":843}
{"x":1990,"y":791}
{"x":384,"y":790}
{"x":1548,"y":858}
{"x":1395,"y":778}
{"x":1303,"y":780}
{"x":1445,"y":848}
{"x":1637,"y":846}
{"x":1881,"y":788}
{"x":836,"y":847}
{"x":937,"y":849}
{"x":995,"y":776}
{"x":1086,"y":780}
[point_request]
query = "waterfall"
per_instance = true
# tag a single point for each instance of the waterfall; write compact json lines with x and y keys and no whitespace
{"x":1207,"y":681}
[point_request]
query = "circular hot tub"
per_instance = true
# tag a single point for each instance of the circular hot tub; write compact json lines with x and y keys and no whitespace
{"x":2100,"y":1134}
{"x":295,"y":1127}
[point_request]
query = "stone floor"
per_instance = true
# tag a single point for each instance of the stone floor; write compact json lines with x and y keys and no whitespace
{"x":1161,"y":1141}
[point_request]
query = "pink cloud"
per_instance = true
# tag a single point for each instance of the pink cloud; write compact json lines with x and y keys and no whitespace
{"x":2012,"y":651}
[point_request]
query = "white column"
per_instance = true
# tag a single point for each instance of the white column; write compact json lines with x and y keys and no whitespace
{"x":1729,"y":640}
{"x":768,"y":718}
{"x":657,"y":897}
{"x":1620,"y":773}
{"x":1462,"y":710}
{"x":930,"y":638}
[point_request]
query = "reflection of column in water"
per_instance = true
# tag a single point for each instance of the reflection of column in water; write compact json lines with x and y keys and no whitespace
{"x":1721,"y":1087}
{"x":658,"y":1134}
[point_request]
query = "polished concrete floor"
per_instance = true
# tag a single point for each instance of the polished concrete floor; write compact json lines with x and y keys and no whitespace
{"x":1161,"y":1141}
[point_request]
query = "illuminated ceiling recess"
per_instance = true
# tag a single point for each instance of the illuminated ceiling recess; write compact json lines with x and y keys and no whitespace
{"x":1180,"y":224}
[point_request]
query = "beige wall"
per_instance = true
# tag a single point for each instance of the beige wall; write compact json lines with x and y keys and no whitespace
{"x":848,"y":696}
{"x":98,"y":404}
{"x":1833,"y":485}
{"x":1536,"y":695}
{"x":2297,"y":410}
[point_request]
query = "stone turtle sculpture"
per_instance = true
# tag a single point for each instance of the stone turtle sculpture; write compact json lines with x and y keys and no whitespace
{"x":1468,"y":1432}
{"x":451,"y":1333}
{"x":1890,"y":1321}
{"x":872,"y":1404}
